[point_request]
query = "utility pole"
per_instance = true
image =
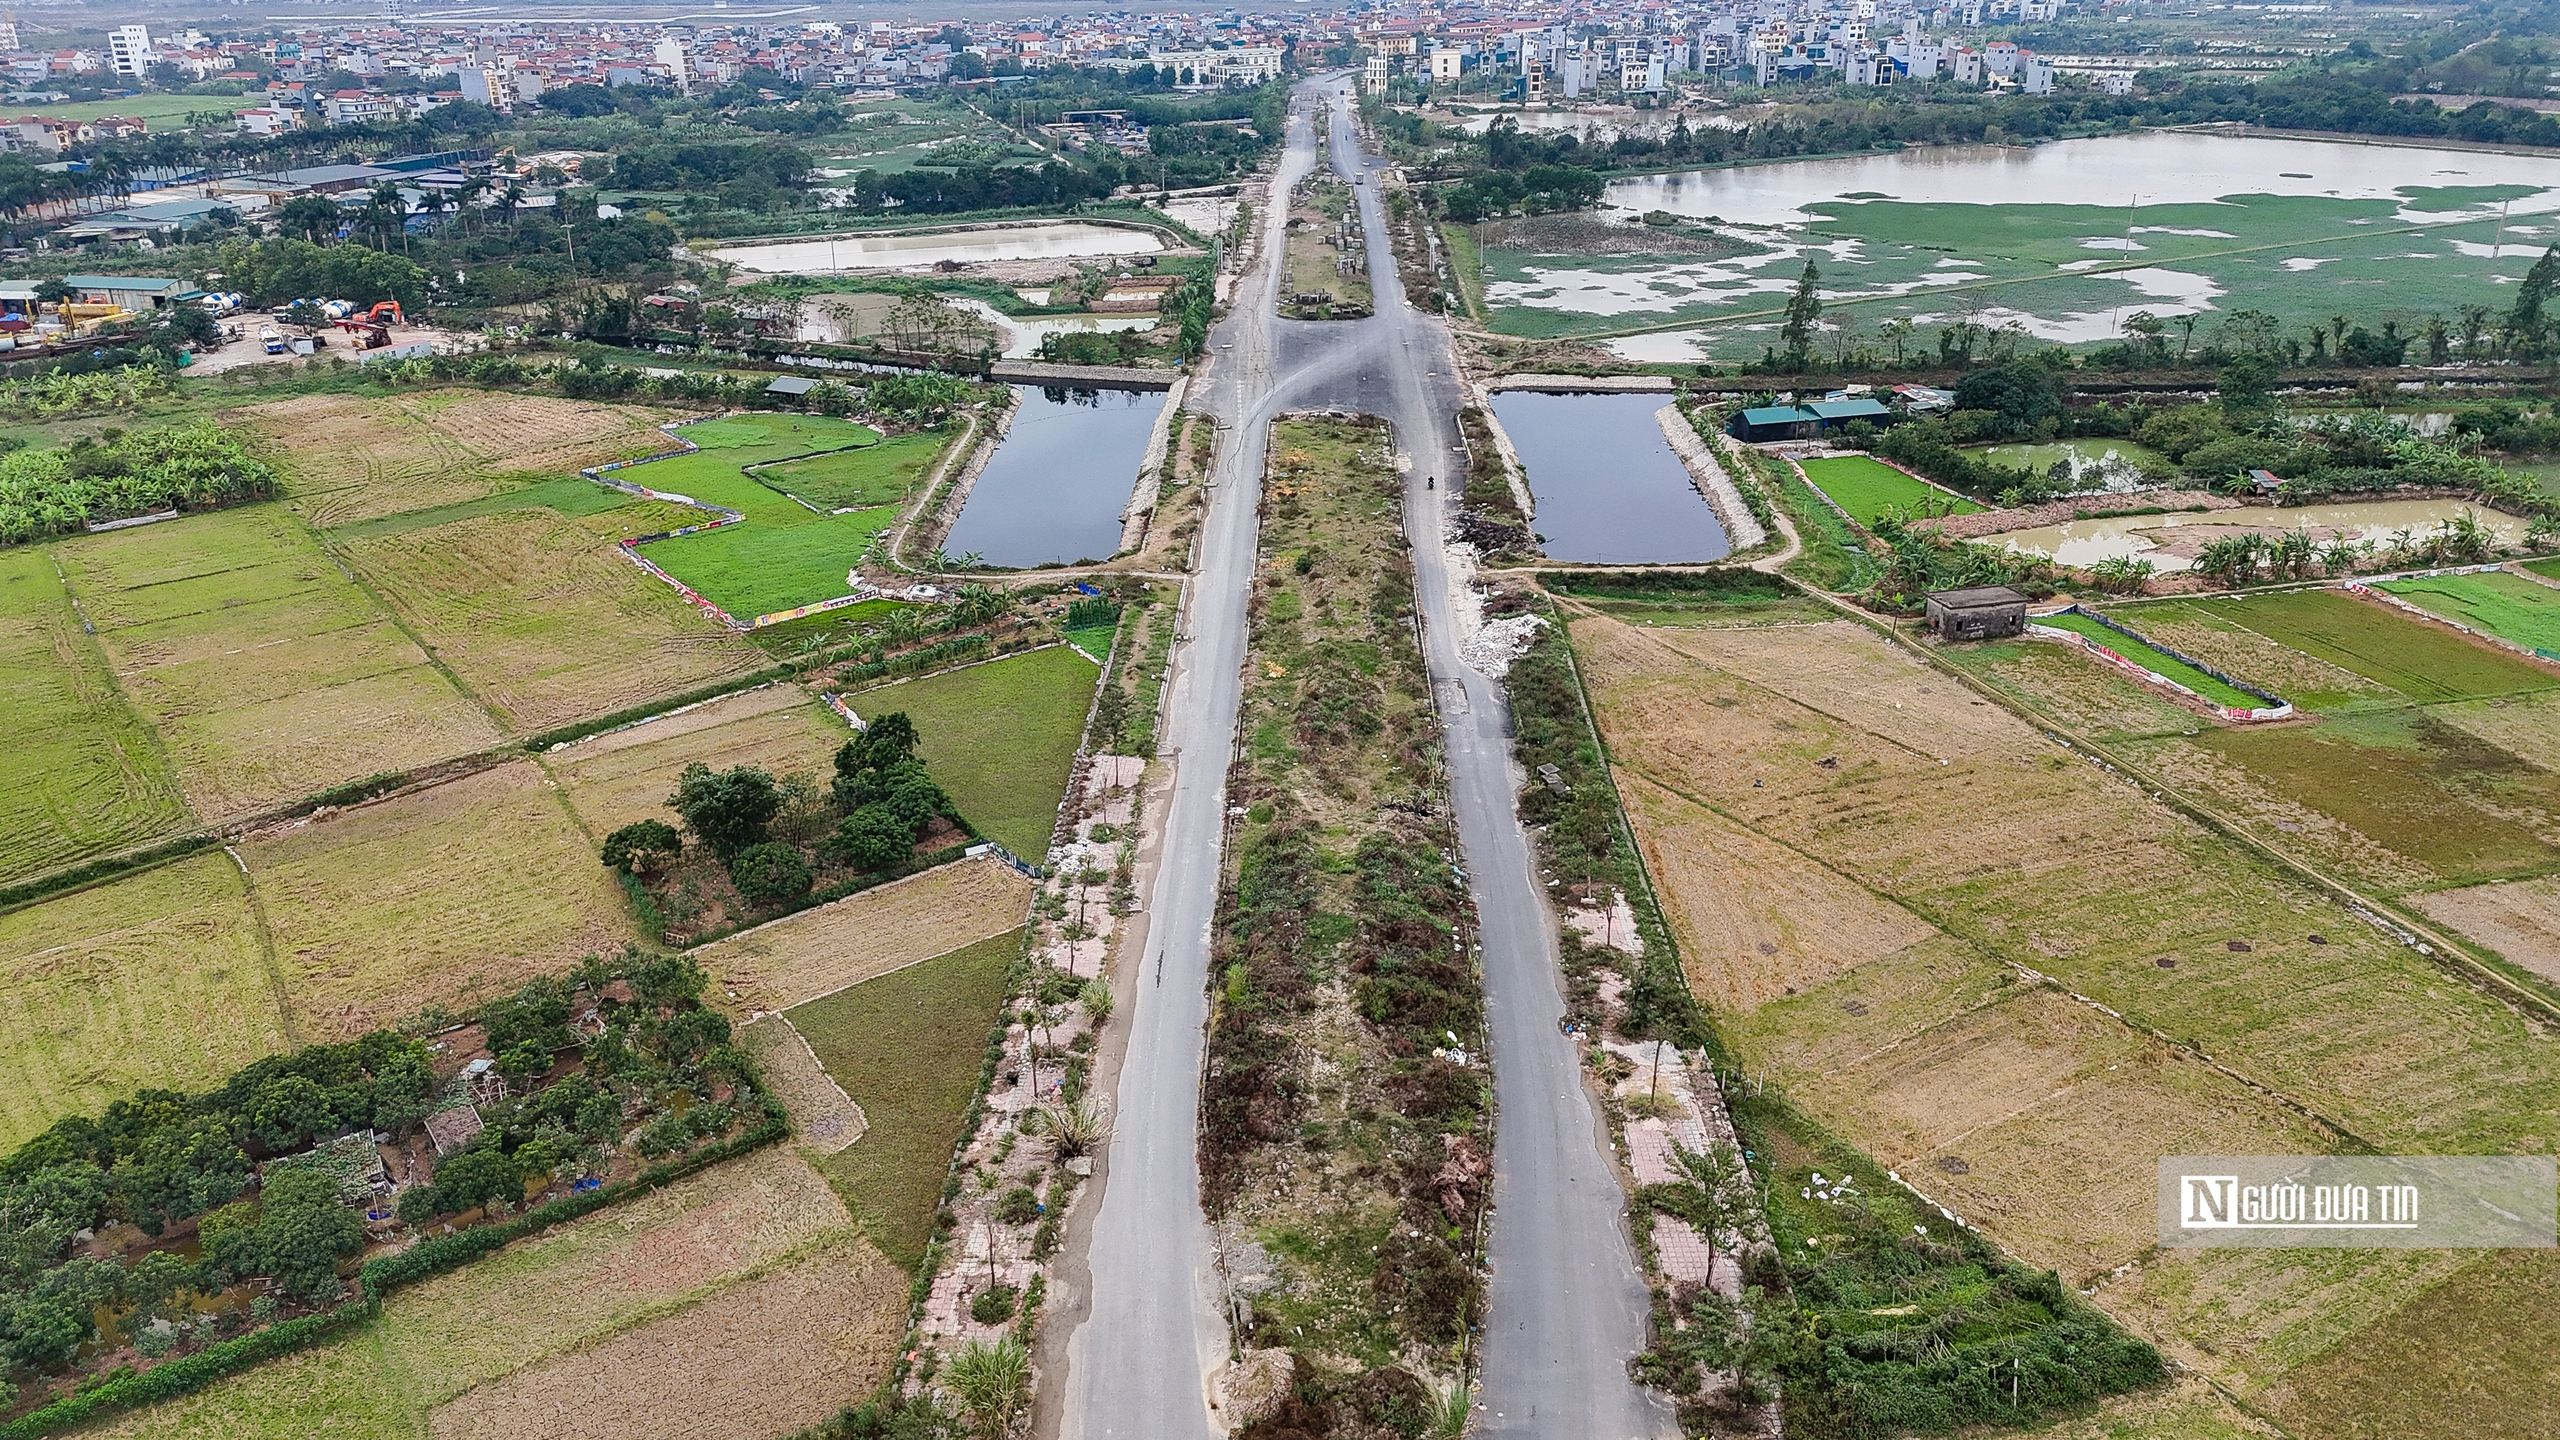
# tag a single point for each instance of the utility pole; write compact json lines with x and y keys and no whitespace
{"x":572,"y":242}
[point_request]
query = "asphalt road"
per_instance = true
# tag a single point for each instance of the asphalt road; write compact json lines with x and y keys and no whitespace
{"x":1566,"y":1308}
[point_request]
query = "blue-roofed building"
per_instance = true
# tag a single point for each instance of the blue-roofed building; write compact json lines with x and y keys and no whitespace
{"x":1832,"y":414}
{"x":1773,"y":422}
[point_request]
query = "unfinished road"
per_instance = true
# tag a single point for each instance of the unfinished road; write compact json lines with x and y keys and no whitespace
{"x":1565,"y":1308}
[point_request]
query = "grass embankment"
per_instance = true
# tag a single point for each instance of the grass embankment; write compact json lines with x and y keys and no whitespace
{"x":786,"y":554}
{"x":1834,"y":557}
{"x":2152,"y":658}
{"x":1339,"y":965}
{"x":999,"y":737}
{"x":1870,"y":489}
{"x":1466,"y":262}
{"x":908,"y":1048}
{"x":1686,"y":597}
{"x":2508,"y":606}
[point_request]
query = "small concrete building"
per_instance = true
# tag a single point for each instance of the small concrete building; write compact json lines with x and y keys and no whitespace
{"x":1979,"y":612}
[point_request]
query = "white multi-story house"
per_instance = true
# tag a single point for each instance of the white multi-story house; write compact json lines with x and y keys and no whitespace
{"x":129,"y":50}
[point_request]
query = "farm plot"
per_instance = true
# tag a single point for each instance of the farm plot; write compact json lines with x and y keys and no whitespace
{"x":350,"y":458}
{"x":2418,"y":660}
{"x":571,"y":1291}
{"x":1870,"y":489}
{"x":625,"y":775}
{"x":821,"y":951}
{"x":84,"y":774}
{"x":2510,"y":607}
{"x":2314,"y":684}
{"x":1000,"y":737}
{"x":2151,"y":658}
{"x":2434,"y":1367}
{"x":2520,"y":920}
{"x":882,"y":473}
{"x":2014,"y":1105}
{"x":785,"y":554}
{"x":2030,"y":854}
{"x":543,"y":619}
{"x":908,"y":1048}
{"x":267,"y":673}
{"x":772,"y":1355}
{"x":442,"y":897}
{"x":159,"y":979}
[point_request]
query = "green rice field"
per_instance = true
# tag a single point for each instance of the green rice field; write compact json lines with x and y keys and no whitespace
{"x":2154,"y":659}
{"x":2419,"y":661}
{"x":571,"y":496}
{"x":882,"y":473}
{"x":907,"y":1047}
{"x":83,"y":773}
{"x":1870,"y":489}
{"x":784,"y":555}
{"x":2508,"y":606}
{"x":1000,"y":737}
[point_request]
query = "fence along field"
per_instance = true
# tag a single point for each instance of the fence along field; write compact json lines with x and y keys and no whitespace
{"x":81,"y":773}
{"x":576,"y":1291}
{"x":160,"y":979}
{"x":2022,"y":855}
{"x":266,"y":673}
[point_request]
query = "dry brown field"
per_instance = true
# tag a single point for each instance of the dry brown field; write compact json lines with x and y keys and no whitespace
{"x":1775,"y":778}
{"x":2452,"y":1361}
{"x":768,"y":1356}
{"x":545,"y":619}
{"x":447,"y":896}
{"x":266,"y":672}
{"x":625,"y":775}
{"x":2525,"y":725}
{"x":347,"y":458}
{"x":820,"y":951}
{"x":158,"y":979}
{"x":823,"y":1117}
{"x":2520,"y":919}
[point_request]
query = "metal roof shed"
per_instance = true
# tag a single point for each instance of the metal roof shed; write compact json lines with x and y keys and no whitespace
{"x":791,"y":385}
{"x":1772,"y":422}
{"x":1834,"y":413}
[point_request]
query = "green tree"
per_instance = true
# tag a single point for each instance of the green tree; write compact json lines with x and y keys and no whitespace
{"x":871,"y":838}
{"x":771,"y":873}
{"x":2247,"y":386}
{"x":304,"y":1230}
{"x":2528,"y":320}
{"x":642,"y":846}
{"x":725,"y":809}
{"x":1804,"y":307}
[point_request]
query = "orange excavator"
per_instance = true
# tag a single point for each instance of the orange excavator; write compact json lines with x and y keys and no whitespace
{"x":368,"y":328}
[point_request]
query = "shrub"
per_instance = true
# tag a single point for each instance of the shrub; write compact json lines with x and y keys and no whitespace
{"x":665,"y":1134}
{"x":1019,"y":1206}
{"x":642,"y":846}
{"x":994,"y":1305}
{"x":770,"y":874}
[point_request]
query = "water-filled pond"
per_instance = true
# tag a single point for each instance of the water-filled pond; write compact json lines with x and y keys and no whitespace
{"x":1608,"y":488}
{"x":1055,"y":488}
{"x":2169,"y":542}
{"x":1068,"y":240}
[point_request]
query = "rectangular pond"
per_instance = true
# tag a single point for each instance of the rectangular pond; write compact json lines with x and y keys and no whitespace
{"x":1055,"y":488}
{"x":1608,"y":488}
